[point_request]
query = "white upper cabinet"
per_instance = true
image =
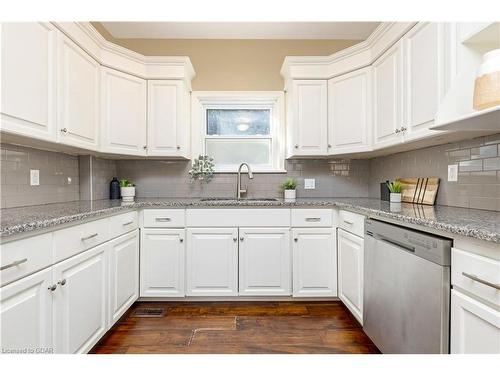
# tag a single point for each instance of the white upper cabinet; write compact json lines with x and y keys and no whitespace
{"x":308,"y":116}
{"x":349,"y":112}
{"x":123,"y":108}
{"x":388,"y":91}
{"x":424,"y":78}
{"x":168,"y":118}
{"x":264,"y":262}
{"x":78,"y":96}
{"x":28,"y":79}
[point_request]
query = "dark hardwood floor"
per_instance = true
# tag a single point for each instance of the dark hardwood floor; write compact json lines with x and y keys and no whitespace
{"x":238,"y":327}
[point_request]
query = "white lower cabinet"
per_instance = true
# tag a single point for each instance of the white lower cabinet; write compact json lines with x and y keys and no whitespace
{"x":26,"y":314}
{"x":475,"y":327}
{"x":264,"y":261}
{"x":162,"y":262}
{"x":123,"y":274}
{"x":314,"y":262}
{"x":80,"y":301}
{"x":212,"y":262}
{"x":350,"y":250}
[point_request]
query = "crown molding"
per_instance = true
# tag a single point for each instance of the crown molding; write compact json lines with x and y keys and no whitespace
{"x":346,"y":60}
{"x":120,"y":58}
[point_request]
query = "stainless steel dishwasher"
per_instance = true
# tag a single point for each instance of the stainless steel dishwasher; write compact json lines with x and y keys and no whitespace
{"x":406,"y":289}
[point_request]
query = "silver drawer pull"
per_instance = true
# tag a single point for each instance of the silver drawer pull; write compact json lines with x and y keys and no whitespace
{"x":13,"y":264}
{"x":475,"y":278}
{"x":128,"y":223}
{"x":52,"y":287}
{"x":163,"y":219}
{"x":62,"y":282}
{"x":89,"y":237}
{"x":348,"y":222}
{"x":313,"y":219}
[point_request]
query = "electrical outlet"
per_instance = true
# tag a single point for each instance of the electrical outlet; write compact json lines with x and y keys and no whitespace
{"x":34,"y":177}
{"x":452,"y":173}
{"x":309,"y":183}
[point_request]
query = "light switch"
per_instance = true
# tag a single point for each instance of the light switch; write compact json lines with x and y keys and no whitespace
{"x":453,"y":173}
{"x":309,"y":183}
{"x":34,"y":177}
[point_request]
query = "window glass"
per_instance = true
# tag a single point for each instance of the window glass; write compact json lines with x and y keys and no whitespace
{"x":236,"y":151}
{"x":238,"y":122}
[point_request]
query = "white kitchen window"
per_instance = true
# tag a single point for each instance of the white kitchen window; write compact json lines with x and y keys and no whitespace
{"x":240,"y":127}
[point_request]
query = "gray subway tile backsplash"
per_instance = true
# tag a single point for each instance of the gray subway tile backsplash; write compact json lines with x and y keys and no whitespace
{"x":66,"y":177}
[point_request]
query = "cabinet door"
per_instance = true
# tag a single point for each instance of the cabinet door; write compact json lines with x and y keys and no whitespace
{"x":475,"y":327}
{"x":212,"y":262}
{"x":26,"y":313}
{"x":264,"y":262}
{"x":349,"y":112}
{"x":168,"y":118}
{"x":350,"y":257}
{"x":28,"y":79}
{"x":314,"y":262}
{"x":388,"y":102}
{"x":123,"y":108}
{"x":424,"y":78}
{"x":309,"y":118}
{"x":123,"y":274}
{"x":78,"y":96}
{"x":162,"y":262}
{"x":80,"y":301}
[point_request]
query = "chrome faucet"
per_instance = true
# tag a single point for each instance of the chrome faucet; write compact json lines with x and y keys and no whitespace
{"x":240,"y":191}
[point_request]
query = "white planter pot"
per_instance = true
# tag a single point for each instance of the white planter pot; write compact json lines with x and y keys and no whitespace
{"x":128,"y":193}
{"x":290,"y":195}
{"x":395,"y":198}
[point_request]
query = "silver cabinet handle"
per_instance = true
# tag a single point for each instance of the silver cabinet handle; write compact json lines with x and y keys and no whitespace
{"x":329,"y":146}
{"x":52,"y":287}
{"x":242,"y":238}
{"x":403,"y":128}
{"x":296,"y":239}
{"x":14,"y":263}
{"x":64,"y":130}
{"x":128,"y":223}
{"x":314,"y":219}
{"x":163,"y":219}
{"x":296,"y":146}
{"x":89,"y":237}
{"x":178,"y":147}
{"x":348,"y":222}
{"x":475,"y":278}
{"x":235,"y":239}
{"x":145,"y":147}
{"x":62,"y":282}
{"x":181,"y":240}
{"x":397,"y":131}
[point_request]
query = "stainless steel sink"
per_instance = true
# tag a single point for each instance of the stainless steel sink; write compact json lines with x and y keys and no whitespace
{"x":241,"y":199}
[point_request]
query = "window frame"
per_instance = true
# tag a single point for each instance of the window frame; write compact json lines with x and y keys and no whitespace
{"x":271,"y":100}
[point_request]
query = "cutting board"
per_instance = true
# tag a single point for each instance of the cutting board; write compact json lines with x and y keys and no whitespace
{"x":422,"y":190}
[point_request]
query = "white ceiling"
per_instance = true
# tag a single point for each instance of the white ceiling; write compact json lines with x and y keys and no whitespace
{"x":241,"y":30}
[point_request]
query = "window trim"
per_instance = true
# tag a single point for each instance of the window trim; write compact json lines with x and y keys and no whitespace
{"x":273,"y":100}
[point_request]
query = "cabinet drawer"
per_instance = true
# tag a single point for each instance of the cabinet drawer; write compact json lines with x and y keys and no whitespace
{"x":240,"y":217}
{"x":351,"y":222}
{"x":71,"y":241}
{"x":469,"y":272}
{"x":312,"y":217}
{"x":26,"y":256}
{"x":170,"y":218}
{"x":122,"y":224}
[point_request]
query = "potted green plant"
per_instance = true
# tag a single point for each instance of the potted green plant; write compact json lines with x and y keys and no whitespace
{"x":395,"y":188}
{"x":289,"y":186}
{"x":127,"y":190}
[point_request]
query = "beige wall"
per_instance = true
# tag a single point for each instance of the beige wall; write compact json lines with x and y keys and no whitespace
{"x":232,"y":64}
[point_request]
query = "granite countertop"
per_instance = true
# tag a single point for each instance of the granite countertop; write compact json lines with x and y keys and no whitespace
{"x":480,"y":224}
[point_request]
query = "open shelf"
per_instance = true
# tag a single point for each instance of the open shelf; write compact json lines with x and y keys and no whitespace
{"x":489,"y":34}
{"x":487,"y":119}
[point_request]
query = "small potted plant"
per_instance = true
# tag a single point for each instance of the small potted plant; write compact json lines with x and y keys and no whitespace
{"x":395,"y":188}
{"x":289,"y":186}
{"x":127,"y":190}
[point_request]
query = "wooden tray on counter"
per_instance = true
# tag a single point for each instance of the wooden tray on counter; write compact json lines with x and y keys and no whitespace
{"x":421,"y":190}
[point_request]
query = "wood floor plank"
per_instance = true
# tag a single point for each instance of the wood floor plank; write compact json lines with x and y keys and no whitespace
{"x":238,"y":328}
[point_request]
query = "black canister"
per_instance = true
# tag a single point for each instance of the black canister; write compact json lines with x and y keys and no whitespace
{"x":114,"y":189}
{"x":384,"y":191}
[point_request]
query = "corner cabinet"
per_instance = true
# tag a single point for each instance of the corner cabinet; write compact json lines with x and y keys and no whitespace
{"x":212,"y":262}
{"x":350,"y":112}
{"x":123,"y":113}
{"x":350,"y":250}
{"x":28,"y":71}
{"x":264,"y":262}
{"x":307,"y":115}
{"x":78,"y":94}
{"x":162,"y":262}
{"x":168,"y":118}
